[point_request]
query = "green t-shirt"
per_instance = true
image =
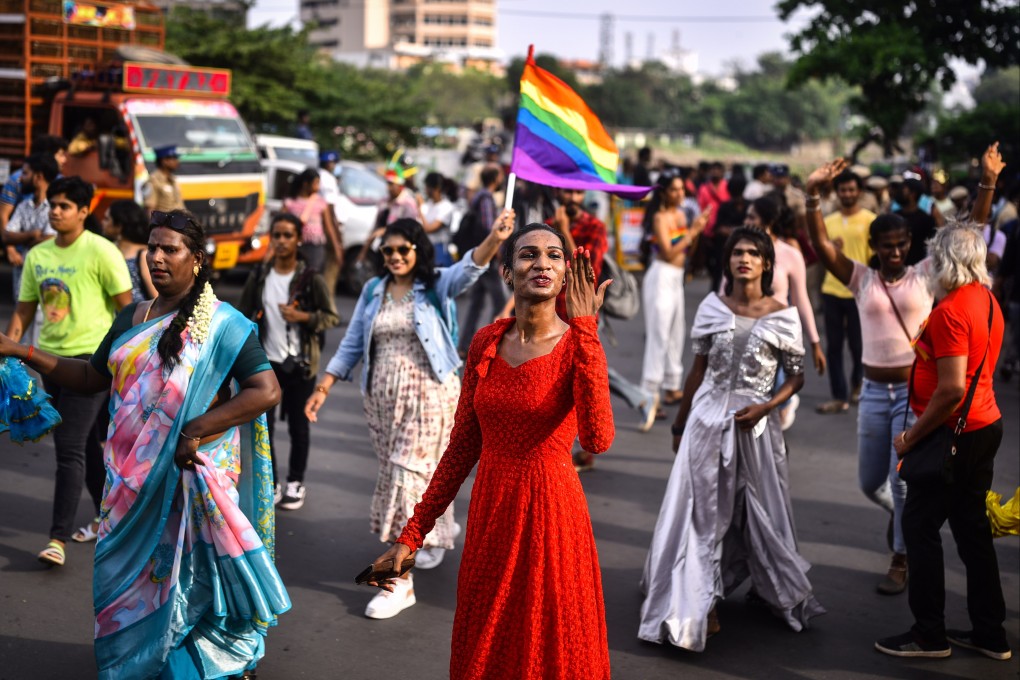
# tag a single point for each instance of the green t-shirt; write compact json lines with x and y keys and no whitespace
{"x":75,"y":286}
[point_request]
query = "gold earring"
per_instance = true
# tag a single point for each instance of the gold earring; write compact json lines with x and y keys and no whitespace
{"x":195,"y":270}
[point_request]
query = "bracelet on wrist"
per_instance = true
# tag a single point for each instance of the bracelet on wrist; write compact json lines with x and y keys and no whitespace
{"x":322,"y":388}
{"x":986,"y":187}
{"x":677,"y":430}
{"x":31,"y":351}
{"x":190,"y":438}
{"x":813,"y":207}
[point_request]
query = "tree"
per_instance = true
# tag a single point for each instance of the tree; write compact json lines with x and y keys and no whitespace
{"x":276,"y":73}
{"x":961,"y":136}
{"x":896,"y":51}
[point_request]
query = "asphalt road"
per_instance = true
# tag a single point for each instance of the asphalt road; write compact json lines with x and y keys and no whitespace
{"x":46,"y":614}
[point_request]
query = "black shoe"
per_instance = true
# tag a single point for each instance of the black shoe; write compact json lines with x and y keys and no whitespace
{"x":965,"y":639}
{"x":909,"y":645}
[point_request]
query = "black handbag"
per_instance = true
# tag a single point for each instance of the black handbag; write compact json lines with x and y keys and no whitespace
{"x":931,"y":459}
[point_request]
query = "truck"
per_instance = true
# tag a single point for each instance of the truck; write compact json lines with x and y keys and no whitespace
{"x":97,"y":73}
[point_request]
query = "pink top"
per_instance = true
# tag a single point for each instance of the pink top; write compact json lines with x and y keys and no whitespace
{"x":789,"y":285}
{"x":309,"y":210}
{"x":886,"y":345}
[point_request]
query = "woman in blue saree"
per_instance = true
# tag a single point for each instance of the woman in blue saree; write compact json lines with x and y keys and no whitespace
{"x":184,"y":585}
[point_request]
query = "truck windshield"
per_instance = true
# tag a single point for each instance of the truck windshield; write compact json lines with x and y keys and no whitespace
{"x":209,"y":129}
{"x":193,"y":134}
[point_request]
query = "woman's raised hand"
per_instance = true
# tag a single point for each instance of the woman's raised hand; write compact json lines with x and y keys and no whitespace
{"x":582,"y":297}
{"x":504,"y":224}
{"x":825,"y":174}
{"x":991,"y":162}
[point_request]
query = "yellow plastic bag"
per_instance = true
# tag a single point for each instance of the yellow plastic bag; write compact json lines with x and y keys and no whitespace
{"x":1005,"y":519}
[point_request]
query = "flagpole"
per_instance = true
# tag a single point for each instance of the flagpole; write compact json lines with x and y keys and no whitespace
{"x":511,"y":180}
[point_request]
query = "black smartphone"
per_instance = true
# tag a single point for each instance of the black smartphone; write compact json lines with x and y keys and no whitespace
{"x":385,"y":571}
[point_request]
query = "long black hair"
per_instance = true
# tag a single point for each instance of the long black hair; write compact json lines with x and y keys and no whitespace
{"x":655,"y":203}
{"x":132,"y":219}
{"x":307,"y":176}
{"x":510,"y":249}
{"x":171,"y":343}
{"x":425,"y":254}
{"x":763,"y":242}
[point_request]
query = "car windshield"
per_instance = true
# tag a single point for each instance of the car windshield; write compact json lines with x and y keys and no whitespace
{"x":361,"y":185}
{"x":304,"y":156}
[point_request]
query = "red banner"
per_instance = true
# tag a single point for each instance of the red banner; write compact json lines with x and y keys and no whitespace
{"x":161,"y":79}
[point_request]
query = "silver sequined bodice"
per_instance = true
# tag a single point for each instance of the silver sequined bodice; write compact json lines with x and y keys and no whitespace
{"x":756,"y":368}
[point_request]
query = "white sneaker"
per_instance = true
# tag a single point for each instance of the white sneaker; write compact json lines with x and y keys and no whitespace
{"x":294,"y":497}
{"x":277,"y":493}
{"x":789,"y":414}
{"x":429,"y":558}
{"x":386,"y":605}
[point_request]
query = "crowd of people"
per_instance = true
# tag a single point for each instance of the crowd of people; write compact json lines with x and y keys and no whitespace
{"x":169,"y":396}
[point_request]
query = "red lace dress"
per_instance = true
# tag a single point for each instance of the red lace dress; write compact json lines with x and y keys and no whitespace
{"x":529,"y":595}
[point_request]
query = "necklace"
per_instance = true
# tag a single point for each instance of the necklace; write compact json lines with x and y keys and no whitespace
{"x":148,"y":309}
{"x":894,"y":278}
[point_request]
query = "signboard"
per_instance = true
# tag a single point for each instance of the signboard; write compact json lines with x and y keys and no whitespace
{"x":179,"y":80}
{"x":103,"y":16}
{"x":631,"y":233}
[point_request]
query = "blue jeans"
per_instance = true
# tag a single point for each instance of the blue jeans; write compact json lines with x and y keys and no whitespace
{"x":880,"y":417}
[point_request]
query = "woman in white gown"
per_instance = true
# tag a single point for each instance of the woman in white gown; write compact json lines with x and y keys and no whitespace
{"x":726,"y":515}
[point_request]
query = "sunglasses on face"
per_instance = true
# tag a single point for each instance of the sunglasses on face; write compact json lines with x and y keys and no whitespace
{"x":388,"y":251}
{"x":176,"y":221}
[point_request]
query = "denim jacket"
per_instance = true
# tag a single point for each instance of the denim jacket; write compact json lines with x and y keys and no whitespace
{"x":428,"y":324}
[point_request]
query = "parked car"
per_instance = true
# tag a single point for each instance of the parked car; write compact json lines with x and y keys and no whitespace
{"x":361,"y":191}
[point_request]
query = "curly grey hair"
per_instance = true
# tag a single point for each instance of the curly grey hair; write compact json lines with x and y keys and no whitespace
{"x":958,"y":252}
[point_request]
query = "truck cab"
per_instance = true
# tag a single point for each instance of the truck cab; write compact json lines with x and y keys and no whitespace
{"x":97,"y":76}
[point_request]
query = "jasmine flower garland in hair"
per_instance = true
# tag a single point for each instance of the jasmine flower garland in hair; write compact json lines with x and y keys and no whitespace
{"x":201,"y":317}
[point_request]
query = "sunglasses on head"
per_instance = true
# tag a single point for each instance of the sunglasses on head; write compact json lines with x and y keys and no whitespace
{"x":388,"y":251}
{"x":176,"y":221}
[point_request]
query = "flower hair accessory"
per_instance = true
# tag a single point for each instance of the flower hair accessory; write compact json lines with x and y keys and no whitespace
{"x":202,"y":315}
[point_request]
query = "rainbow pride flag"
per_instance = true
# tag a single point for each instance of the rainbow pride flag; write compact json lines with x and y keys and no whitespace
{"x":559,"y":142}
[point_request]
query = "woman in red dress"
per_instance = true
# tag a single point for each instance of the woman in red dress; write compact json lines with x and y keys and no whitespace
{"x":529,"y":595}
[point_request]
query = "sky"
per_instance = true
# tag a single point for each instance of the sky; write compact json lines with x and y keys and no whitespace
{"x":740,"y":31}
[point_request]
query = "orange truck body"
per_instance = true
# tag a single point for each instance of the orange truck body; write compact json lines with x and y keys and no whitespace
{"x":59,"y":66}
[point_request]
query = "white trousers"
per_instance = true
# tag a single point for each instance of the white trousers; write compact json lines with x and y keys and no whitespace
{"x":662,"y":298}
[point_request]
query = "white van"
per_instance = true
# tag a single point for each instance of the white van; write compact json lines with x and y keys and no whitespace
{"x":361,"y":191}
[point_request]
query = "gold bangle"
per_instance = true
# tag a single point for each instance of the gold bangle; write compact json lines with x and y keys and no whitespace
{"x":322,"y":388}
{"x":189,"y":438}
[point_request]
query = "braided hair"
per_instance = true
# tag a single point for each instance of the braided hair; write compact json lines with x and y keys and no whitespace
{"x":171,"y":343}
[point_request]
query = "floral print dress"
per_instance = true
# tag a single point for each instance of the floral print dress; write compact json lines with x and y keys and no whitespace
{"x":410,"y":416}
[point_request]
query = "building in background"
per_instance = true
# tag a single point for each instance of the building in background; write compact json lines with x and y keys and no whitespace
{"x":396,"y":34}
{"x":231,"y":10}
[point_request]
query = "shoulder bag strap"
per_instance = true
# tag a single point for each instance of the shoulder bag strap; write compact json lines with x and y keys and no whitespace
{"x":895,"y":309}
{"x":961,"y":423}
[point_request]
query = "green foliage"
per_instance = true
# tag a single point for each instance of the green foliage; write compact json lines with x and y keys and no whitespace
{"x":549,"y":62}
{"x":447,"y":98}
{"x":761,"y":112}
{"x":962,"y":136}
{"x":1001,"y":86}
{"x":894,"y":52}
{"x":276,"y":73}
